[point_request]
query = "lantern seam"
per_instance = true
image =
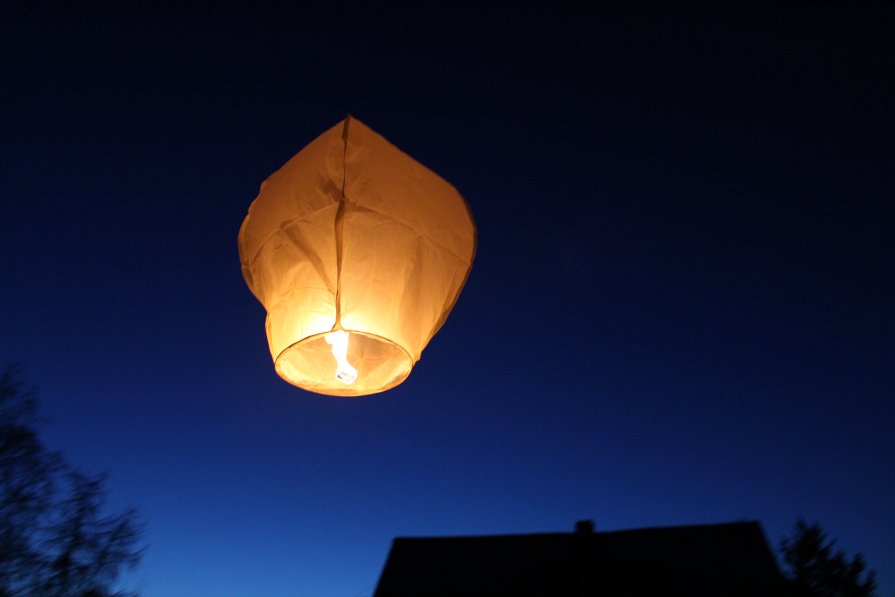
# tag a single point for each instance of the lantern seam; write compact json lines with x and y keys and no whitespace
{"x":339,"y":226}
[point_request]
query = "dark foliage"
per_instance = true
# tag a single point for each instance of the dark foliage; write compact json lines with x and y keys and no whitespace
{"x":814,"y":569}
{"x":54,"y":539}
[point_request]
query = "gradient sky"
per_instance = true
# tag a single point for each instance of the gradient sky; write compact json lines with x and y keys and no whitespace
{"x":681,"y":309}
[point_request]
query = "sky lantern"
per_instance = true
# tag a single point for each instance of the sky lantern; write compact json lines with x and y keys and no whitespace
{"x":358,"y":253}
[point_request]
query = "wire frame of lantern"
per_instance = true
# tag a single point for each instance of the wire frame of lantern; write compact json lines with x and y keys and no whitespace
{"x":358,"y":253}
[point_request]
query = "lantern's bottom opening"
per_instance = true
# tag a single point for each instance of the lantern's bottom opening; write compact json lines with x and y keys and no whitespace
{"x":309,"y":364}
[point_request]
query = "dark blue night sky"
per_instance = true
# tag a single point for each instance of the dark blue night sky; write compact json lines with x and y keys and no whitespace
{"x":681,"y":309}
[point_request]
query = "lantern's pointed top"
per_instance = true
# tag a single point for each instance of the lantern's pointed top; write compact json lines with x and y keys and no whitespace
{"x":345,"y":127}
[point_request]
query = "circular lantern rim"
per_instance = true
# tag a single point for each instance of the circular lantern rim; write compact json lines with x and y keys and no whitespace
{"x":348,"y":391}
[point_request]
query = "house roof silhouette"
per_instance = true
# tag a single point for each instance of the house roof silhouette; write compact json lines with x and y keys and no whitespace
{"x":706,"y":560}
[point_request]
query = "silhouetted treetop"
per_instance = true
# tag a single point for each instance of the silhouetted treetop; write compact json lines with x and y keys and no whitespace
{"x":55,"y":540}
{"x":815,"y":569}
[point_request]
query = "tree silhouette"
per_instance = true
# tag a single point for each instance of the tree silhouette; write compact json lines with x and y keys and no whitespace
{"x":54,"y":539}
{"x":814,"y":569}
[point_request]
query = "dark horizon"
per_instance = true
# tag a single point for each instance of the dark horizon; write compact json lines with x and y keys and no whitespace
{"x":680,"y":310}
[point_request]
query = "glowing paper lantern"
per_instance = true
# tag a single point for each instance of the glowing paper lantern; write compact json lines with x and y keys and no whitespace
{"x":358,"y":253}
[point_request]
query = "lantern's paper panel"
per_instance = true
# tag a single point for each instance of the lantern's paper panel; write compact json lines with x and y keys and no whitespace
{"x":352,"y":234}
